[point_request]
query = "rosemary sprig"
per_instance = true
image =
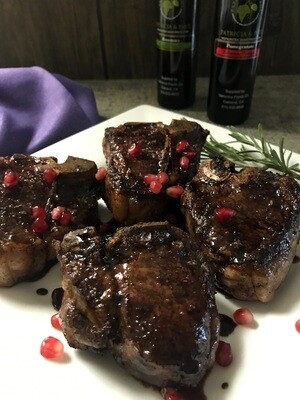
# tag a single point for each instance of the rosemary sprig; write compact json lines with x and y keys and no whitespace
{"x":245,"y":150}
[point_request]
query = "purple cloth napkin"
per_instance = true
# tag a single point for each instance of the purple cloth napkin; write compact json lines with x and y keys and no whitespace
{"x":38,"y":108}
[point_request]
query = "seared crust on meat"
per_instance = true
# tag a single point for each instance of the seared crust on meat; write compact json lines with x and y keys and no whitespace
{"x":149,"y":299}
{"x":23,"y":252}
{"x":254,"y":249}
{"x":126,"y":194}
{"x":87,"y":311}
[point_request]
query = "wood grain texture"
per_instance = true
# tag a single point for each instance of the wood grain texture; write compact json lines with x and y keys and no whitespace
{"x":59,"y":35}
{"x":129,"y":37}
{"x":112,"y":39}
{"x":280,"y":46}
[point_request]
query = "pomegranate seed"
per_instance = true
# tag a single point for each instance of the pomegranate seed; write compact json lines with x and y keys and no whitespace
{"x":149,"y":178}
{"x":51,"y":348}
{"x":57,"y":212}
{"x":66,"y":218}
{"x":134,"y":150}
{"x":224,"y":354}
{"x":55,"y":321}
{"x":49,"y":175}
{"x":39,"y":225}
{"x":243,"y":316}
{"x":175,"y":191}
{"x":171,"y":394}
{"x":39,"y":212}
{"x":10,"y":179}
{"x":297,"y":325}
{"x":155,"y":186}
{"x":184,"y":162}
{"x":190,"y":154}
{"x":100,"y":174}
{"x":163,"y":177}
{"x":182,"y":145}
{"x":224,"y":214}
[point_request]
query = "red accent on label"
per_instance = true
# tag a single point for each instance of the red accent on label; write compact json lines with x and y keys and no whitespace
{"x":232,"y":53}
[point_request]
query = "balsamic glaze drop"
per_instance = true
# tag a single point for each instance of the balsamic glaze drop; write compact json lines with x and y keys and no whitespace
{"x":227,"y":325}
{"x":42,"y":291}
{"x":296,"y":259}
{"x":224,"y":385}
{"x":56,"y":297}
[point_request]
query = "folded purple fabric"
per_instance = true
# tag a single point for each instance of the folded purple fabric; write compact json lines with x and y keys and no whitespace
{"x":38,"y":108}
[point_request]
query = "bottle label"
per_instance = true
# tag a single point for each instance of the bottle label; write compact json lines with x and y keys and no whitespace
{"x":240,"y":32}
{"x":174,"y":34}
{"x":236,"y":51}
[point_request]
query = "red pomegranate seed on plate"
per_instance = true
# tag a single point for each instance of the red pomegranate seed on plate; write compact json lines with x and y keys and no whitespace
{"x":243,"y":316}
{"x":51,"y":348}
{"x":39,"y":225}
{"x":10,"y":179}
{"x":171,"y":394}
{"x":134,"y":150}
{"x":39,"y":212}
{"x":182,"y":145}
{"x":57,"y":212}
{"x":155,"y":186}
{"x":190,"y":154}
{"x":297,"y":325}
{"x":55,"y":321}
{"x":224,"y":214}
{"x":174,"y":191}
{"x":184,"y":162}
{"x":224,"y":354}
{"x":49,"y":175}
{"x":65,"y":218}
{"x":163,"y":177}
{"x":100,"y":174}
{"x":148,"y":178}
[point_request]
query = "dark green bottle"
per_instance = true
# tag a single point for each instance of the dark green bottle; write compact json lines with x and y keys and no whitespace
{"x":177,"y":51}
{"x":236,"y":48}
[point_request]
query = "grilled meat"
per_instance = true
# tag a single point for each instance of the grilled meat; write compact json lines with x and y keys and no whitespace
{"x":146,"y":295}
{"x":134,"y":150}
{"x":247,"y":223}
{"x":25,"y":237}
{"x":88,"y":309}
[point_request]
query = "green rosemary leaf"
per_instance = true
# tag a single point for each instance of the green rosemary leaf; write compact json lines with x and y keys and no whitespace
{"x":246,"y":150}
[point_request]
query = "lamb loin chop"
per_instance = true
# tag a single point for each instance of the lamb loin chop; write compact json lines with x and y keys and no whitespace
{"x":247,"y":222}
{"x":143,"y":161}
{"x":146,"y":295}
{"x":41,"y":200}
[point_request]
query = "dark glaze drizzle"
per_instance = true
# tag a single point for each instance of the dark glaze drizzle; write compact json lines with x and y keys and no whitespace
{"x":296,"y":259}
{"x":42,"y":291}
{"x":193,"y":393}
{"x":227,"y":325}
{"x":225,"y":385}
{"x":196,"y":393}
{"x":56,"y":297}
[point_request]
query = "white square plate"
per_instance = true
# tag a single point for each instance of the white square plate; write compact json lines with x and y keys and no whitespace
{"x":266,"y":359}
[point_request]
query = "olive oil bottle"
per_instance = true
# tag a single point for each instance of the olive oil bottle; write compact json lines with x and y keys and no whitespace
{"x":236,"y":47}
{"x":176,"y":43}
